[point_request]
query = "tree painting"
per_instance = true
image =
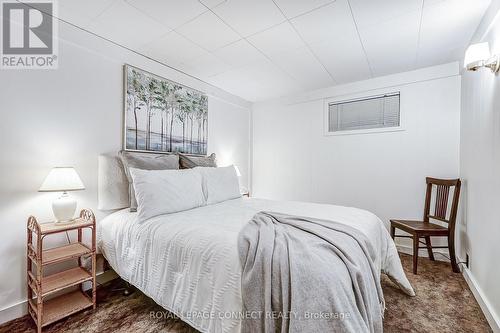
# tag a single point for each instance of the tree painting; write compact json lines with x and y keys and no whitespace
{"x":163,"y":116}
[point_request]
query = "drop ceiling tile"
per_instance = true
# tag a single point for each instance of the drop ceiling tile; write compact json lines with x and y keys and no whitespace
{"x":305,"y":68}
{"x":126,"y":25}
{"x":293,"y":8}
{"x":344,"y":59}
{"x":431,"y":57}
{"x":77,"y":10}
{"x":432,"y":2}
{"x":331,"y":33}
{"x":208,"y":31}
{"x":68,"y":14}
{"x":277,"y":39}
{"x":256,"y":82}
{"x":326,"y":24}
{"x":249,"y":17}
{"x":207,"y":65}
{"x":386,"y":27}
{"x":368,"y":12}
{"x":391,"y":46}
{"x":246,"y":87}
{"x":173,"y":48}
{"x":447,"y":27}
{"x":171,"y":13}
{"x":239,"y":53}
{"x":212,"y":3}
{"x":273,"y":81}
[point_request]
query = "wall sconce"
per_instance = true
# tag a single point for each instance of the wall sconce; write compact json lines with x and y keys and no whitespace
{"x":478,"y":55}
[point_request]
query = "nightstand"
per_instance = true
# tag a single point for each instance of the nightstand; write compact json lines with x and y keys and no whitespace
{"x":50,"y":297}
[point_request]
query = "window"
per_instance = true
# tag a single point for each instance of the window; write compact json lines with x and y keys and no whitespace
{"x":375,"y":112}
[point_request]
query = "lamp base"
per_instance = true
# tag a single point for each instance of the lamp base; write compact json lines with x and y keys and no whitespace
{"x":65,"y":222}
{"x":64,"y":209}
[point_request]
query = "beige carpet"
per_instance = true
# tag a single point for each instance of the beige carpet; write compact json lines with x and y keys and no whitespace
{"x":443,"y":303}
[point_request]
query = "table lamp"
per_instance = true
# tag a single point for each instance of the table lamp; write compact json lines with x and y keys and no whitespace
{"x":63,"y":179}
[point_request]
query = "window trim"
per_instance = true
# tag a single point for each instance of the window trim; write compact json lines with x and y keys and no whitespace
{"x":361,"y":97}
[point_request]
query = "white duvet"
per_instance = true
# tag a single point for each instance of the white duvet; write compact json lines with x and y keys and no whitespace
{"x":188,"y":262}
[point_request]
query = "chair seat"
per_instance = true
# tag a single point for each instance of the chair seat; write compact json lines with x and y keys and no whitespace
{"x":420,"y":227}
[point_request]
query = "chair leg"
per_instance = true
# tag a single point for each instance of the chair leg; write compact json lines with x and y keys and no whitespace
{"x":393,"y":232}
{"x":429,"y":247}
{"x":453,"y":259}
{"x":415,"y":253}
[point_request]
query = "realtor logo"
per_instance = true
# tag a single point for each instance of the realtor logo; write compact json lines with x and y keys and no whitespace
{"x":28,"y":35}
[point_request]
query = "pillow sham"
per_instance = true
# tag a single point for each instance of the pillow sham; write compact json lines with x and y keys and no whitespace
{"x":166,"y":191}
{"x":219,"y":184}
{"x":189,"y":162}
{"x":145,"y":161}
{"x":112,"y":183}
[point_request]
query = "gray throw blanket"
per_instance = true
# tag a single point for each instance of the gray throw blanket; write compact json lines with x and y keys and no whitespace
{"x":302,"y":274}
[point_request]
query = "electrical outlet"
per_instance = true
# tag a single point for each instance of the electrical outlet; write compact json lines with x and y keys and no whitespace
{"x":467,"y":262}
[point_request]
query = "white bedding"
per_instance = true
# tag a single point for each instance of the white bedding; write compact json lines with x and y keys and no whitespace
{"x":188,"y":262}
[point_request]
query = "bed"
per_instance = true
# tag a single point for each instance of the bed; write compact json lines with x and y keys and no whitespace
{"x":188,"y":261}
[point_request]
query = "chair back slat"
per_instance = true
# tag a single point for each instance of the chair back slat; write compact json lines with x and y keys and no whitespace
{"x":442,"y":198}
{"x":441,"y":205}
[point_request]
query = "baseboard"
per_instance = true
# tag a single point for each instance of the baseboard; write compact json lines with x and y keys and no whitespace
{"x":20,"y":309}
{"x":14,"y":311}
{"x":488,"y":311}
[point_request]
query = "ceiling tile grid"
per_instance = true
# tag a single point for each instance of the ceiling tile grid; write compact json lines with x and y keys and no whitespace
{"x":263,"y":49}
{"x":294,"y":8}
{"x":447,"y":27}
{"x":123,"y":24}
{"x":173,"y":47}
{"x":332,"y":35}
{"x":391,"y":46}
{"x":208,"y":31}
{"x":303,"y":66}
{"x":239,"y":54}
{"x":261,"y":80}
{"x":249,"y":17}
{"x":171,"y":13}
{"x":81,"y":13}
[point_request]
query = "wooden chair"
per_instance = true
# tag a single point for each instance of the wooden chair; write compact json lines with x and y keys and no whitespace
{"x":425,"y":229}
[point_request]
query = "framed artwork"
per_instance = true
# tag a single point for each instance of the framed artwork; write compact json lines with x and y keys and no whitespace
{"x":162,"y":116}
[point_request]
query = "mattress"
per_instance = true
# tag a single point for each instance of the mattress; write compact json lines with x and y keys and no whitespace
{"x":188,"y":262}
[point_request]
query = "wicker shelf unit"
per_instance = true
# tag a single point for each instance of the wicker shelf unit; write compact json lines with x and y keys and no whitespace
{"x":46,"y":298}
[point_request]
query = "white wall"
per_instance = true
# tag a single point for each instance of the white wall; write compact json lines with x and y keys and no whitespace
{"x":480,"y":170}
{"x":67,"y":117}
{"x":381,"y":172}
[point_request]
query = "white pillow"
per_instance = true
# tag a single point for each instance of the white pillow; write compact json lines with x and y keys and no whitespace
{"x":166,"y":191}
{"x":219,"y":184}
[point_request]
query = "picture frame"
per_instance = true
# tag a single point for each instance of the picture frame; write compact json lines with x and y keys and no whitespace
{"x":163,"y":116}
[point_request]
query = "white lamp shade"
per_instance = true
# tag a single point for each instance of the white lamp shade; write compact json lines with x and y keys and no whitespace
{"x":62,"y":179}
{"x":476,"y":52}
{"x":238,"y":173}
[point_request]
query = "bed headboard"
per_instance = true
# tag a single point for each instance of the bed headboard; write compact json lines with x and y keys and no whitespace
{"x":112,"y":190}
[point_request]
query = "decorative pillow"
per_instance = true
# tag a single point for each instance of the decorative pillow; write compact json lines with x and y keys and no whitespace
{"x":166,"y":191}
{"x":219,"y":184}
{"x":112,"y":183}
{"x":189,"y":162}
{"x":145,"y":161}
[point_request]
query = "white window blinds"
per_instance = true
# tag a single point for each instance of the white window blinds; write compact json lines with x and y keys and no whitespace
{"x":367,"y":113}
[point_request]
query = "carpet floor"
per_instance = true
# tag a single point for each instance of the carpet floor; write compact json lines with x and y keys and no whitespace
{"x":443,"y":303}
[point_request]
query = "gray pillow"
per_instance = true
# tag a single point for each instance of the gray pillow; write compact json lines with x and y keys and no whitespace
{"x":189,"y":162}
{"x":145,"y":161}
